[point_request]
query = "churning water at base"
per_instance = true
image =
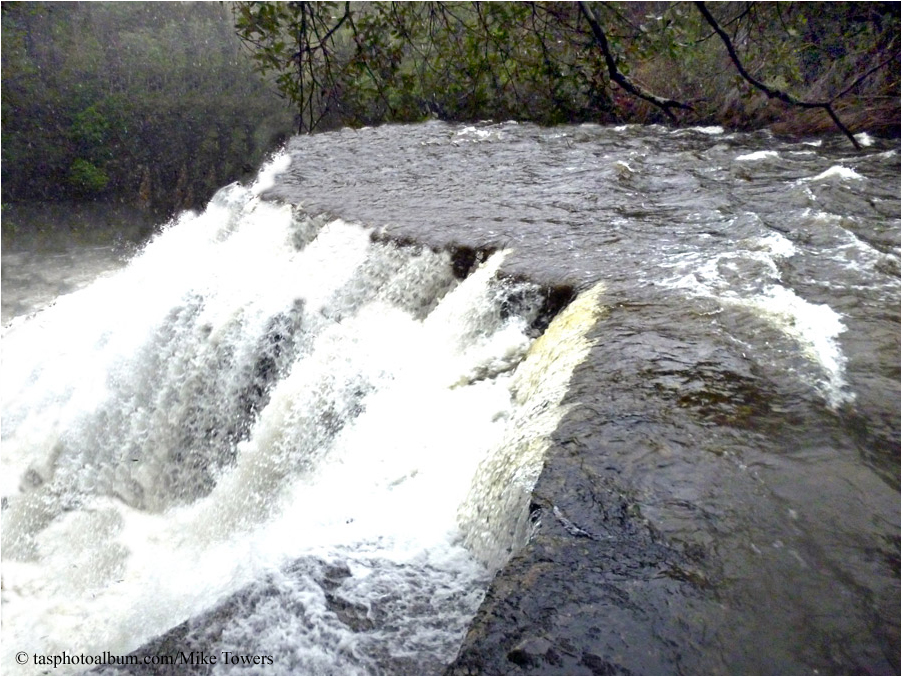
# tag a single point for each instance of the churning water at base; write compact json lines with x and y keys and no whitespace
{"x":345,"y":430}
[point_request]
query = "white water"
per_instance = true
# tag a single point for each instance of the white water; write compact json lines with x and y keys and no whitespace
{"x":758,"y":155}
{"x":259,"y":388}
{"x":749,"y":278}
{"x":836,"y":171}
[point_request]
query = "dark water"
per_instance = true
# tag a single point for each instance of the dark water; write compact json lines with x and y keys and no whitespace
{"x":721,"y":495}
{"x":740,"y":408}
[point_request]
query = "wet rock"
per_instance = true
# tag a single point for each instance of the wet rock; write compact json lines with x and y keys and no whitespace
{"x":355,"y":616}
{"x":639,"y":562}
{"x":601,"y":667}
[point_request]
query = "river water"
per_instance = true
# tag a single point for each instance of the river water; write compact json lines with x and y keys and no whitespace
{"x":314,"y":421}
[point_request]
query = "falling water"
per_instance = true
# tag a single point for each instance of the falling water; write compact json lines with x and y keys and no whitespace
{"x":484,"y":398}
{"x":265,"y":396}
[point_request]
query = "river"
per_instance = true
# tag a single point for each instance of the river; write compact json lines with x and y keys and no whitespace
{"x":482,"y":398}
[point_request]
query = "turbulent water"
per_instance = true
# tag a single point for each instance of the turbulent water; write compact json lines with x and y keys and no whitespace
{"x":308,"y":421}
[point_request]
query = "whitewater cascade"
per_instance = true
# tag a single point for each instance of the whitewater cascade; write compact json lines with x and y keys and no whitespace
{"x":266,"y":395}
{"x":277,"y":434}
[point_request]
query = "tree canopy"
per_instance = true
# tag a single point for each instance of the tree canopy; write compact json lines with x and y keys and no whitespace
{"x":153,"y":103}
{"x":743,"y":64}
{"x":157,"y":104}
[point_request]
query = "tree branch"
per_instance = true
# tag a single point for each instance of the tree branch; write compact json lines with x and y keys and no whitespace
{"x":772,"y":92}
{"x":864,"y":77}
{"x":618,"y":77}
{"x":332,"y":31}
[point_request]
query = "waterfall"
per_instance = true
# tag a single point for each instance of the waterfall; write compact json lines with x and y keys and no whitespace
{"x":269,"y":399}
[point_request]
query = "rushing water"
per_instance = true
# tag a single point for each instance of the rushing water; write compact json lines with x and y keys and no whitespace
{"x":315,"y":441}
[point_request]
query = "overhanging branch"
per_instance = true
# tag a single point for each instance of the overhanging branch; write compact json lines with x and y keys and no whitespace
{"x":772,"y":92}
{"x":614,"y":72}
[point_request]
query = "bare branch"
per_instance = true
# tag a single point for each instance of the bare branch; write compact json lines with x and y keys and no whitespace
{"x":772,"y":92}
{"x":614,"y":72}
{"x":332,"y":31}
{"x":864,"y":77}
{"x":736,"y":18}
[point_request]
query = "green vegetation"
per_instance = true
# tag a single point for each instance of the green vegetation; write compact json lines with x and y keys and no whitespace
{"x":87,"y":178}
{"x":153,"y":104}
{"x":813,"y":66}
{"x":157,"y":104}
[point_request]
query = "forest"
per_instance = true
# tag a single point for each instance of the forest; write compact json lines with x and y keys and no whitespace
{"x":151,"y":104}
{"x":158,"y":104}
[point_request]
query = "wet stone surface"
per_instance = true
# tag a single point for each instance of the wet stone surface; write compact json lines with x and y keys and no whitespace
{"x":660,"y":551}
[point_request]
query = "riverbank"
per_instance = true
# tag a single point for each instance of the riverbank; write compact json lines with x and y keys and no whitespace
{"x":54,"y":248}
{"x":54,"y":226}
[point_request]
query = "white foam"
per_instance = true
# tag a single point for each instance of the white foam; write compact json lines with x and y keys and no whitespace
{"x":476,"y":134}
{"x":401,"y":382}
{"x":712,"y":130}
{"x":266,"y":178}
{"x":750,"y":278}
{"x":758,"y":155}
{"x":838,"y":171}
{"x":864,"y":262}
{"x":777,"y":244}
{"x":815,"y":327}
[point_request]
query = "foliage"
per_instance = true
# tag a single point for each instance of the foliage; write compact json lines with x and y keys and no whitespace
{"x":157,"y":103}
{"x":296,"y":42}
{"x":363,"y":63}
{"x":87,"y":178}
{"x":99,"y":99}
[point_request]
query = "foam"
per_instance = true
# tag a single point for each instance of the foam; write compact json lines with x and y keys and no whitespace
{"x":837,"y":171}
{"x":758,"y":155}
{"x":750,"y":278}
{"x":256,"y":389}
{"x":864,"y":139}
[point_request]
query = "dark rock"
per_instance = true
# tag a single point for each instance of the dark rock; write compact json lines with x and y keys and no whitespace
{"x":532,"y":651}
{"x":351,"y":614}
{"x":602,"y":667}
